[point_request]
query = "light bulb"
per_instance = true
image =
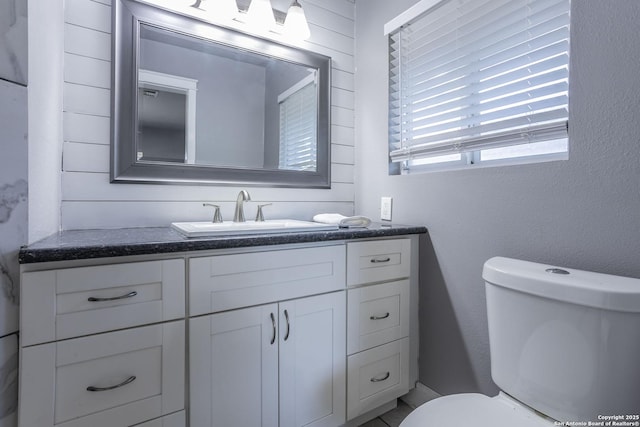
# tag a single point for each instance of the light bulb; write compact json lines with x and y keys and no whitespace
{"x":224,"y":9}
{"x":295,"y":24}
{"x":260,"y":15}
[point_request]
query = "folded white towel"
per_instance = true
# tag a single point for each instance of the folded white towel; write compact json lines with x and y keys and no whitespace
{"x":342,"y":221}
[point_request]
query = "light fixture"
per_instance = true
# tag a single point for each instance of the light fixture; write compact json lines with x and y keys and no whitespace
{"x":295,"y":24}
{"x":218,"y":10}
{"x":260,"y":15}
{"x":223,"y":9}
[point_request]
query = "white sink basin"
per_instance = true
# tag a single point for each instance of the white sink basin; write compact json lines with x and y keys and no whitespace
{"x":230,"y":228}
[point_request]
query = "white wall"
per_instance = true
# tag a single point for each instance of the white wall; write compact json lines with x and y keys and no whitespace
{"x":46,"y":38}
{"x":88,"y":200}
{"x":582,"y":213}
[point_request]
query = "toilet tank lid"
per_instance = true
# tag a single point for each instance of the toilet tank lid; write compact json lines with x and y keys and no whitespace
{"x":580,"y":287}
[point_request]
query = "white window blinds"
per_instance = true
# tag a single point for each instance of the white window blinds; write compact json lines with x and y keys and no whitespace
{"x":476,"y":74}
{"x":298,"y":131}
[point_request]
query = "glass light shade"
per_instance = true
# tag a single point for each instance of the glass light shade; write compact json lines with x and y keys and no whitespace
{"x":222,"y":9}
{"x":295,"y":24}
{"x":260,"y":15}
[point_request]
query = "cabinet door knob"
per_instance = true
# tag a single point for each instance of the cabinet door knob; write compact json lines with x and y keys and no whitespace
{"x":125,"y":296}
{"x":286,"y":316}
{"x":377,"y":380}
{"x":129,"y":380}
{"x":380,"y":317}
{"x":273,"y":324}
{"x":380,"y":260}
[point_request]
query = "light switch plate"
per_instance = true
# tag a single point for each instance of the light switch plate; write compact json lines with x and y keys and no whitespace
{"x":385,"y":208}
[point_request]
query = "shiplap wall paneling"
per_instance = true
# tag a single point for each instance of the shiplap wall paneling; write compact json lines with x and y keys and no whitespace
{"x":79,"y":186}
{"x":82,"y":215}
{"x":89,"y":200}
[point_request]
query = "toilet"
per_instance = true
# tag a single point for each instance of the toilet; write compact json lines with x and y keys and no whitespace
{"x":564,"y":344}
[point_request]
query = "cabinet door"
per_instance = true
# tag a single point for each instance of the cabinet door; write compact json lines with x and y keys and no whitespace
{"x":313,"y":361}
{"x":174,"y":420}
{"x":234,"y":368}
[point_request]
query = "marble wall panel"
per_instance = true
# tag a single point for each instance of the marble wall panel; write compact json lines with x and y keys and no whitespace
{"x":13,"y":198}
{"x":9,"y":381}
{"x":13,"y":41}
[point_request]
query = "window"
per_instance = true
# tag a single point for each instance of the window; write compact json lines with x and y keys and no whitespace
{"x":478,"y":82}
{"x":298,"y":112}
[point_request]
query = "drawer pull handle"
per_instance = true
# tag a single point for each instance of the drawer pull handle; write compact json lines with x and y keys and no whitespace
{"x":380,"y":260}
{"x":129,"y":380}
{"x":273,"y":324}
{"x":377,"y":380}
{"x":286,"y":316}
{"x":380,"y":317}
{"x":125,"y":296}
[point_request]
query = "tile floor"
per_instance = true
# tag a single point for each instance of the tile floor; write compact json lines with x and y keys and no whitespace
{"x":392,"y":418}
{"x":406,"y":404}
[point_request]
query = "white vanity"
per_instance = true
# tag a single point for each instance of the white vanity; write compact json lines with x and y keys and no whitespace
{"x":218,"y":332}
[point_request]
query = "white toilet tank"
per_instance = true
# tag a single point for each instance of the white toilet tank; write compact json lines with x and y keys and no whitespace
{"x":565,"y":342}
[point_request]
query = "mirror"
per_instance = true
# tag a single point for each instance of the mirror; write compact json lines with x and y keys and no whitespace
{"x":197,"y":103}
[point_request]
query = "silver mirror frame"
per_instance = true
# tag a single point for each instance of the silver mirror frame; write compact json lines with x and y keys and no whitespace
{"x":127,"y":17}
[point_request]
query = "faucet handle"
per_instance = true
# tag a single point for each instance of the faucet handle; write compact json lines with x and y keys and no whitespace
{"x":259,"y":215}
{"x":217,"y":216}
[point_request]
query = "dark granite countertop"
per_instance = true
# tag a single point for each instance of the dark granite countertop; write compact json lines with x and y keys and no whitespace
{"x":88,"y":244}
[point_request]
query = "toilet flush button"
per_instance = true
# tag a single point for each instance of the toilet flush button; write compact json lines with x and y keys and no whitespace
{"x":557,"y":271}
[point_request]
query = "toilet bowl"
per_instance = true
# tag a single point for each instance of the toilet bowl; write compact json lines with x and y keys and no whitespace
{"x":477,"y":410}
{"x":555,"y":336}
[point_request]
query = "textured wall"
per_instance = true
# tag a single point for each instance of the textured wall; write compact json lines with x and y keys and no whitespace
{"x":582,"y":213}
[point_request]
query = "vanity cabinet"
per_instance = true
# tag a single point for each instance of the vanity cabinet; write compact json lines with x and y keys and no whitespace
{"x":320,"y":334}
{"x":280,"y":363}
{"x":101,"y":345}
{"x":378,"y":330}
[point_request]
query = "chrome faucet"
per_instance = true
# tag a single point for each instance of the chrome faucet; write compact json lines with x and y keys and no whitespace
{"x":243,"y":196}
{"x":217,"y":217}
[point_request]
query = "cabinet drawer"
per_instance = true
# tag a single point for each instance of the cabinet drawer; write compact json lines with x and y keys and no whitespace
{"x":174,"y":420}
{"x":72,"y":302}
{"x":377,"y":314}
{"x":117,"y":379}
{"x":226,"y":282}
{"x":377,"y":376}
{"x":378,"y":261}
